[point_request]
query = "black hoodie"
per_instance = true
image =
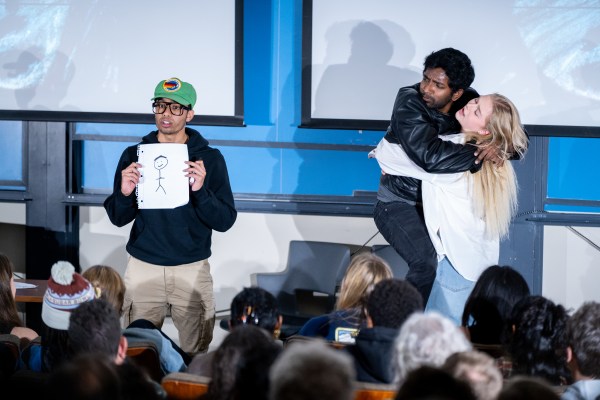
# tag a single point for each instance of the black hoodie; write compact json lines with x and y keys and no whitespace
{"x":181,"y":235}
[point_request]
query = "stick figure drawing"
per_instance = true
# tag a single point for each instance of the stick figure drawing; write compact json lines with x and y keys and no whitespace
{"x":160,"y":163}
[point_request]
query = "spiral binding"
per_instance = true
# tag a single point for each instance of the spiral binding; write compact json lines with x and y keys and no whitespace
{"x":137,"y":187}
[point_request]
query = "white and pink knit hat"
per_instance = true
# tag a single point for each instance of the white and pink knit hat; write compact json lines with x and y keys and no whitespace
{"x":66,"y":291}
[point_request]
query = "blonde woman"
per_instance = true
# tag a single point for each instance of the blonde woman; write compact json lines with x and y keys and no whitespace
{"x":342,"y":325}
{"x":466,"y":214}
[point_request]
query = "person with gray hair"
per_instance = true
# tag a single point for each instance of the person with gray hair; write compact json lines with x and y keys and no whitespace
{"x":477,"y":369}
{"x":427,"y":339}
{"x":583,"y":352}
{"x":312,"y":370}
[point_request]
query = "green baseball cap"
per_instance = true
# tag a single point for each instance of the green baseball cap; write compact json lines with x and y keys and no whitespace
{"x":176,"y":90}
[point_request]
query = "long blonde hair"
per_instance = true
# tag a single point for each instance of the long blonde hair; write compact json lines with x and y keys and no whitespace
{"x":363,"y":273}
{"x":495,"y":188}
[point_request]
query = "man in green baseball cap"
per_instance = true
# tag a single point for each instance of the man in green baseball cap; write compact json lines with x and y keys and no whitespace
{"x":168,"y":267}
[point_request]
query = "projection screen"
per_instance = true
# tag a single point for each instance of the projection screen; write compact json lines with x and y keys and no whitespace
{"x":544,"y":55}
{"x":80,"y":57}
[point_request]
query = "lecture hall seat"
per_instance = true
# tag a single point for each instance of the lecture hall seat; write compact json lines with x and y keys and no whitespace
{"x":184,"y":386}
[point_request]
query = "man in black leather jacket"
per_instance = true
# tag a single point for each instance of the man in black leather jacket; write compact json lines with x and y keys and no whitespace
{"x":422,"y":112}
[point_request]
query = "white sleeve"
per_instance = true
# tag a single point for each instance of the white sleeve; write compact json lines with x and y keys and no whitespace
{"x":393,"y":160}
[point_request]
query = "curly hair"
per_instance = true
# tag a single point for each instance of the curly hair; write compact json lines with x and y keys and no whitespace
{"x":583,"y":331}
{"x":456,"y":64}
{"x":255,"y":306}
{"x":392,"y":302}
{"x":539,"y":342}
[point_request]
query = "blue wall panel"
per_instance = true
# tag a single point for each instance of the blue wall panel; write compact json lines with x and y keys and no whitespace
{"x":574,"y":168}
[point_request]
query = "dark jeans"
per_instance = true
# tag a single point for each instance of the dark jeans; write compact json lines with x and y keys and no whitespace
{"x":403,"y":226}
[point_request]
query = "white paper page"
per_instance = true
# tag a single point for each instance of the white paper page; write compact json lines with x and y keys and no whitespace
{"x":163,"y":183}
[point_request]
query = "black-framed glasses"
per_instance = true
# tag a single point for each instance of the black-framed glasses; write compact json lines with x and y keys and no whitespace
{"x":176,"y":109}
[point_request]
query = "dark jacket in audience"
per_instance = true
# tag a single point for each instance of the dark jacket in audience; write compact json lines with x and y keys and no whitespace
{"x":372,"y":353}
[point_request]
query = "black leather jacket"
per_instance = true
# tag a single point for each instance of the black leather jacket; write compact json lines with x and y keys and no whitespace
{"x":416,"y":127}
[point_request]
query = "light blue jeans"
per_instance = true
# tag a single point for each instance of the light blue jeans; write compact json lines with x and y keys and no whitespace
{"x":449,"y":293}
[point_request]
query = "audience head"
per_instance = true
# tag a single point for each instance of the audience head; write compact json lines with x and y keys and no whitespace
{"x":489,"y":306}
{"x":431,"y":383}
{"x":363,"y":273}
{"x":583,"y":334}
{"x":241,"y":364}
{"x":8,"y":308}
{"x":97,"y":377}
{"x":478,"y":370}
{"x":427,"y":339}
{"x":255,"y":306}
{"x":94,"y":327}
{"x":83,"y":378}
{"x":7,"y":282}
{"x":539,"y":342}
{"x":299,"y":373}
{"x":66,"y":291}
{"x":527,"y":388}
{"x":391,"y":302}
{"x":109,"y":282}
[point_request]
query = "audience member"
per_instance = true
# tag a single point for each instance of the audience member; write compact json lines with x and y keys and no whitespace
{"x":432,"y":383}
{"x":109,"y":282}
{"x":94,"y":327}
{"x":241,"y":365}
{"x":478,"y":370}
{"x":256,"y":306}
{"x":66,"y":291}
{"x":111,"y":286}
{"x":342,"y":325}
{"x":527,"y":388}
{"x":96,"y":377}
{"x":312,"y":370}
{"x":251,"y":306}
{"x":583,"y":353}
{"x":10,"y":322}
{"x":427,"y":339}
{"x":489,"y":306}
{"x":91,"y":376}
{"x":391,"y":302}
{"x":539,"y":343}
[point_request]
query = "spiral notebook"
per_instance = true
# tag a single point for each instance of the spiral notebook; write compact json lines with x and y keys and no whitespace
{"x":163,"y":183}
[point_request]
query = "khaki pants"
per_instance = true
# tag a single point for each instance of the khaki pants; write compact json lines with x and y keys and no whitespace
{"x":187,"y":290}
